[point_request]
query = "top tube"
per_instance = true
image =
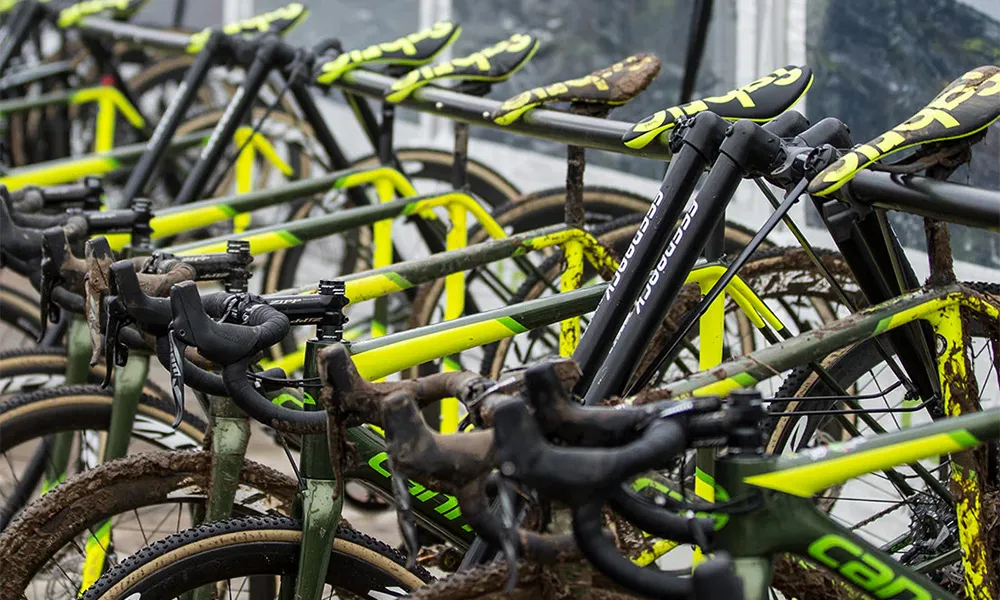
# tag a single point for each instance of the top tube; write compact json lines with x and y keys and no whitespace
{"x":557,"y":126}
{"x":146,"y":36}
{"x":939,"y":200}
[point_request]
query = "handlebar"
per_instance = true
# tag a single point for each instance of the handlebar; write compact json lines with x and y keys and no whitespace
{"x":33,"y":199}
{"x":234,"y":346}
{"x":713,"y":579}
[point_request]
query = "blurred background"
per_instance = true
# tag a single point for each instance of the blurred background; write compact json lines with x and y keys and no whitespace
{"x":876,"y":63}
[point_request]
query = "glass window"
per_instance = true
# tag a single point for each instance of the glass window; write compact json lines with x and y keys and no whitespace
{"x":196,"y":15}
{"x":877,"y":63}
{"x":580,"y":36}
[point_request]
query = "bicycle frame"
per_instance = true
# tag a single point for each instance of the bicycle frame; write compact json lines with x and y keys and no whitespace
{"x":789,"y":521}
{"x":109,"y":101}
{"x":66,"y":170}
{"x":940,"y":308}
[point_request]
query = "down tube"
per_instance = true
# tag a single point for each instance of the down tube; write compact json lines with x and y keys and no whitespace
{"x":436,"y":511}
{"x":392,"y":353}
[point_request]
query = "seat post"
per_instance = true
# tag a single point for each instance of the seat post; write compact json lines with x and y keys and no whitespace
{"x":576,"y":162}
{"x":460,"y":161}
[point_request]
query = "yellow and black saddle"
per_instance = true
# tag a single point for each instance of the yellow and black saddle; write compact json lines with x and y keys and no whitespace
{"x":759,"y":101}
{"x":279,"y":22}
{"x":115,"y":9}
{"x":487,"y":66}
{"x":607,"y":87}
{"x":411,"y":51}
{"x":967,"y":106}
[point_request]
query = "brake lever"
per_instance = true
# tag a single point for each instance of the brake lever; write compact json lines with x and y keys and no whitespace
{"x":404,"y":513}
{"x":48,"y":278}
{"x":115,"y":352}
{"x":99,"y":258}
{"x":177,"y":348}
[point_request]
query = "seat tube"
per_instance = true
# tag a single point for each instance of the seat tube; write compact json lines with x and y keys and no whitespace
{"x":685,"y":244}
{"x":382,"y":240}
{"x":959,"y":396}
{"x":572,"y":277}
{"x":159,"y":141}
{"x":24,"y":22}
{"x":701,"y":144}
{"x":241,"y":103}
{"x":454,"y":292}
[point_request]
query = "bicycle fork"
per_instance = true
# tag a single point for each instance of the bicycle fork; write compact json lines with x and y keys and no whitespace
{"x":128,"y":384}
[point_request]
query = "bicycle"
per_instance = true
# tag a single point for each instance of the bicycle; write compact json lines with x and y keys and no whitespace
{"x":387,"y":338}
{"x":892,"y":317}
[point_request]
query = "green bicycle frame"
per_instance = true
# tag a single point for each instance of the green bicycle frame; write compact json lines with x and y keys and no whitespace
{"x":941,"y":308}
{"x":789,"y":521}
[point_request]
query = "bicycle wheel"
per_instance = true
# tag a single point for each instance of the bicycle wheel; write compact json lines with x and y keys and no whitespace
{"x":915,"y":525}
{"x":31,"y":369}
{"x":19,"y":318}
{"x":429,"y":171}
{"x":27,"y":419}
{"x":228,"y":553}
{"x":145,"y":496}
{"x":540,"y":209}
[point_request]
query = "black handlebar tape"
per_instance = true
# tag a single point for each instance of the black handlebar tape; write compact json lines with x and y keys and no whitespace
{"x":133,"y":339}
{"x":33,"y":221}
{"x":258,"y":407}
{"x":28,"y":199}
{"x":658,"y":520}
{"x":715,"y":578}
{"x":788,"y":124}
{"x":572,"y":474}
{"x":828,"y":131}
{"x":18,"y":242}
{"x":558,"y":415}
{"x":67,"y":300}
{"x":194,"y":376}
{"x":601,"y":551}
{"x":224,"y":343}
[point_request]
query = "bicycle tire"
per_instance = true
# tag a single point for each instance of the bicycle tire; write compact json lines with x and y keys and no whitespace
{"x":130,"y":484}
{"x":33,"y":416}
{"x":31,"y":369}
{"x":282,"y":266}
{"x":19,"y":312}
{"x":88,"y":407}
{"x":255,"y":546}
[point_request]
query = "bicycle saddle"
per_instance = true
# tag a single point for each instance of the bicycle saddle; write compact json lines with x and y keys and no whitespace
{"x":610,"y":86}
{"x":487,"y":66}
{"x":967,"y":106}
{"x":279,"y":22}
{"x":117,"y":9}
{"x":413,"y":50}
{"x":759,"y":101}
